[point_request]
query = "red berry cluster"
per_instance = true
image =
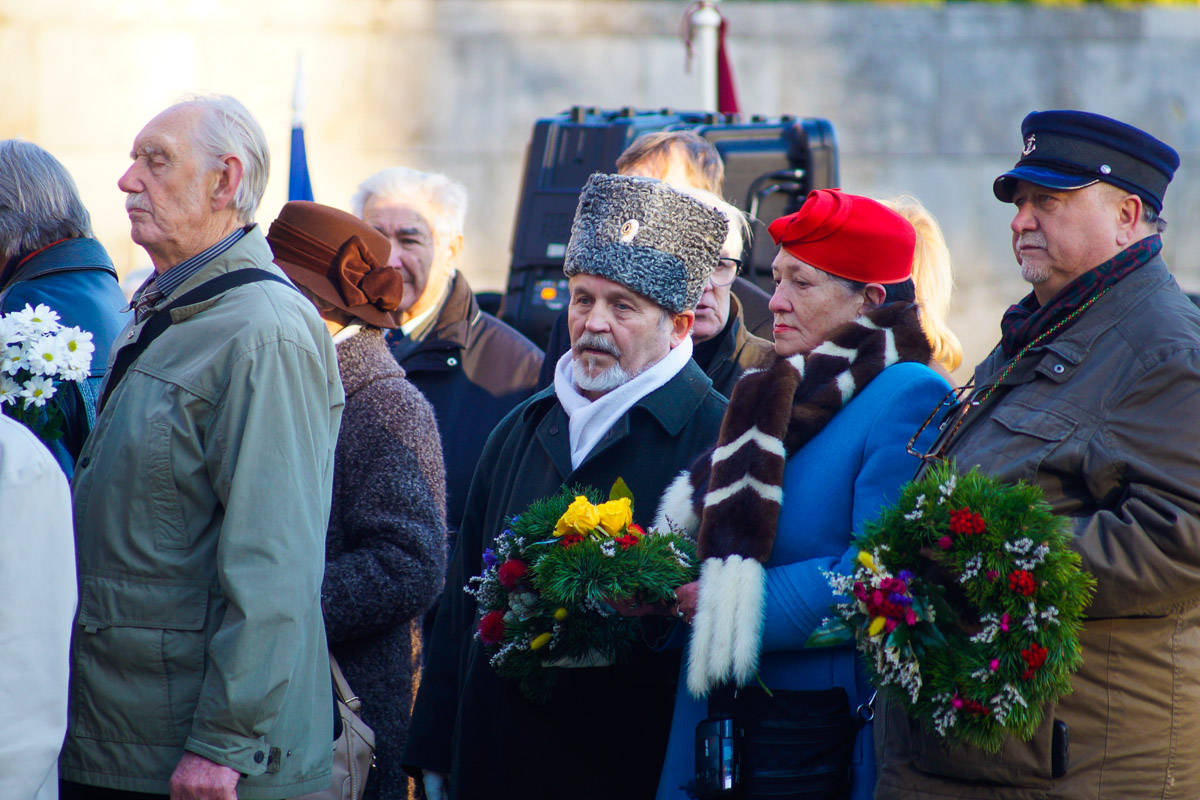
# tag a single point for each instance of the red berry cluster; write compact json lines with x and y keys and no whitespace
{"x":1022,"y":581}
{"x":569,"y":539}
{"x":965,"y":521}
{"x":1034,"y":656}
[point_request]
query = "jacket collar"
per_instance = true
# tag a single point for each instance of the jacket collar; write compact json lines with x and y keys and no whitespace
{"x":65,"y":256}
{"x":1072,"y":346}
{"x":458,"y":313}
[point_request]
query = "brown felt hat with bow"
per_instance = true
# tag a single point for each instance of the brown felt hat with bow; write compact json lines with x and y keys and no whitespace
{"x":340,"y":259}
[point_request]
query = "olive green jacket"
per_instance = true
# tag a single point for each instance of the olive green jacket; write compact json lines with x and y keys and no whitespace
{"x":201,"y":501}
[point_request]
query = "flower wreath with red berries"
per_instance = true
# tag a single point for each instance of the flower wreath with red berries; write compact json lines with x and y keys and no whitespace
{"x":544,"y":592}
{"x":967,"y":599}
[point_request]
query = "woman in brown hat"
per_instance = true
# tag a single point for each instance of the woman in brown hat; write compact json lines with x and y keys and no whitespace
{"x":385,"y":549}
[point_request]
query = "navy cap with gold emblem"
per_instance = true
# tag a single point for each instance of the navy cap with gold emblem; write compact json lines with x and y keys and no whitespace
{"x":1074,"y":149}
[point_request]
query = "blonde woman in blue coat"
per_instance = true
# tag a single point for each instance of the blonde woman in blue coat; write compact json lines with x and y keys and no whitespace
{"x":811,"y":448}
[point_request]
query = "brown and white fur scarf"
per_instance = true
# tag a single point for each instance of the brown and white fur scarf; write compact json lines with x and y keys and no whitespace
{"x":733,"y":493}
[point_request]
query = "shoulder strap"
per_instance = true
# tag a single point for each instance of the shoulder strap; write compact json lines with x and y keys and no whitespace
{"x":161,"y":320}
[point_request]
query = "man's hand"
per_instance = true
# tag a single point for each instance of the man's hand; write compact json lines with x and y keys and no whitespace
{"x":437,"y":784}
{"x":197,"y":778}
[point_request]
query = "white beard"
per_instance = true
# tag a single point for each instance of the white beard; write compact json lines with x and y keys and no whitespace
{"x":603,"y":382}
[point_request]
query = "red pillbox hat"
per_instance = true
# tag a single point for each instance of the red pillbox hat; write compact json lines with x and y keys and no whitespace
{"x":850,"y":236}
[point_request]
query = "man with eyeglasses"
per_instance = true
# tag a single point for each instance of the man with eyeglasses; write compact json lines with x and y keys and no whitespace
{"x":1093,"y":394}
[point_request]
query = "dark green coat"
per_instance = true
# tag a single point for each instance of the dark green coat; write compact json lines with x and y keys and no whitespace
{"x":604,"y":732}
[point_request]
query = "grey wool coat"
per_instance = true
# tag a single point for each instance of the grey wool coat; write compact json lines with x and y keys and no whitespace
{"x":386,"y":548}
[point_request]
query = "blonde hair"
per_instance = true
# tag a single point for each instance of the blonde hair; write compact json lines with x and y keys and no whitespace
{"x":933,"y":279}
{"x":651,"y":155}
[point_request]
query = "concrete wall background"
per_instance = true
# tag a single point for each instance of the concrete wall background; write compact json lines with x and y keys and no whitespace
{"x":926,"y":99}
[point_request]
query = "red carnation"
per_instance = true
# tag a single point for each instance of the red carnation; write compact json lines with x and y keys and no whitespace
{"x":569,"y":539}
{"x":975,"y":707}
{"x":634,"y":528}
{"x":1034,"y":657}
{"x":965,"y":521}
{"x":491,"y":627}
{"x":945,"y":542}
{"x":1022,"y":581}
{"x":511,"y":572}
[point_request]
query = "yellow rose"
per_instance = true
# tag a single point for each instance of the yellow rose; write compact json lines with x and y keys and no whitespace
{"x":615,"y":515}
{"x":867,"y":560}
{"x":539,"y":641}
{"x":875,"y":628}
{"x":580,"y":517}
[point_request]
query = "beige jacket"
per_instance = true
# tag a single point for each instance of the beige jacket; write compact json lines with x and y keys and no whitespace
{"x":1106,"y":419}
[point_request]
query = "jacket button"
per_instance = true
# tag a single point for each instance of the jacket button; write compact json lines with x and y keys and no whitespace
{"x":86,"y":460}
{"x":1059,"y":369}
{"x":554,"y":430}
{"x":452,"y":361}
{"x":258,"y":757}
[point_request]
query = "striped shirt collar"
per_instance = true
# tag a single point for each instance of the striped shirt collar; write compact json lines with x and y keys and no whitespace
{"x":174,"y":277}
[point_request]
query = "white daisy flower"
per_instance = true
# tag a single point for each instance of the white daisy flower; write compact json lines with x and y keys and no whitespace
{"x":37,"y":391}
{"x":45,"y":356}
{"x":10,"y":391}
{"x":12,"y":358}
{"x":41,"y":319}
{"x":77,"y":346}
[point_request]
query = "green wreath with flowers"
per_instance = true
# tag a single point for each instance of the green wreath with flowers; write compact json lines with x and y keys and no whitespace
{"x":545,"y":590}
{"x":966,"y":597}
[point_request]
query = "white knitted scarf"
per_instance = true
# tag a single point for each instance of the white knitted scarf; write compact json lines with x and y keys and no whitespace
{"x":591,"y":419}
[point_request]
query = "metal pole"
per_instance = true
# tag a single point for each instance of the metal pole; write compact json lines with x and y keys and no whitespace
{"x":707,"y":23}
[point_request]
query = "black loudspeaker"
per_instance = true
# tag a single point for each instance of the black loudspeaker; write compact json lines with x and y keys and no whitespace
{"x":771,"y":164}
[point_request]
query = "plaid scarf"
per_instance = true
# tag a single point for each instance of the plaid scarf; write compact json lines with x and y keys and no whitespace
{"x":1025,"y":321}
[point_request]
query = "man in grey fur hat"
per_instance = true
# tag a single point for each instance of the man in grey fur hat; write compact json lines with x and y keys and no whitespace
{"x":628,"y":402}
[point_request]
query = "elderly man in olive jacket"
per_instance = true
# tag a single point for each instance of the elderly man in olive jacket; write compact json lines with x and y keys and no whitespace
{"x":627,"y":402}
{"x":1094,"y":395}
{"x":201,"y":500}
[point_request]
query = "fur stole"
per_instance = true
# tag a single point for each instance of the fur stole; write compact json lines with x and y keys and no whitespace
{"x":733,"y":493}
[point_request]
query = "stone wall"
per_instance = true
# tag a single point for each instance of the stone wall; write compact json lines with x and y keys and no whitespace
{"x":926,"y":99}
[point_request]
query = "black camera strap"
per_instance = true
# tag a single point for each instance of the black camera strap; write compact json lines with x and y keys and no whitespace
{"x":161,"y":319}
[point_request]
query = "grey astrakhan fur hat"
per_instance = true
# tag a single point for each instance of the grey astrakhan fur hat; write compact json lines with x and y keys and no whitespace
{"x":642,"y":234}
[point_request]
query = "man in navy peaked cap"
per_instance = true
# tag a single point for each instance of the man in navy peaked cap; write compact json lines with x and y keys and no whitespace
{"x":1092,"y":394}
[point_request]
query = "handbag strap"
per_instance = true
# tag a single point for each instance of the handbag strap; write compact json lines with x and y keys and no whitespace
{"x":341,"y":688}
{"x":161,"y":320}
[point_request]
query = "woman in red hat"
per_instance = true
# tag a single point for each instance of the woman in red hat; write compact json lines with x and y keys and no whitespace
{"x":811,"y":448}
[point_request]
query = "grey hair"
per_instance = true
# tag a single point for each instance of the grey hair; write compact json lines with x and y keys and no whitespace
{"x":227,"y":128}
{"x":39,"y":202}
{"x":447,"y":197}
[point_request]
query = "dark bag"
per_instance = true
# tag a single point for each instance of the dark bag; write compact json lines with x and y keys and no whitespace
{"x":789,"y":744}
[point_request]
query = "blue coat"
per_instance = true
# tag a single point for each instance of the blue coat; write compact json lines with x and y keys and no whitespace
{"x":75,"y":278}
{"x":834,"y":485}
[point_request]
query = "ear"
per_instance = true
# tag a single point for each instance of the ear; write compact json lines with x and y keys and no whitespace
{"x":1128,"y":220}
{"x":873,"y":295}
{"x":681,"y":326}
{"x":453,"y":248}
{"x":228,"y":180}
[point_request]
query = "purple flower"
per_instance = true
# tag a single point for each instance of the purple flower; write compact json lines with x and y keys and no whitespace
{"x":900,"y":599}
{"x":905,"y":575}
{"x":489,"y":558}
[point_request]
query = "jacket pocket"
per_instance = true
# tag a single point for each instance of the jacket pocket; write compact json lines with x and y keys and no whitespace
{"x":1018,"y":764}
{"x":1029,"y":435}
{"x":139,"y":660}
{"x":165,"y":508}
